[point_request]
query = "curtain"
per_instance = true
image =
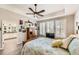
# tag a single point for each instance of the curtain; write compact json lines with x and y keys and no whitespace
{"x":50,"y":26}
{"x":42,"y":29}
{"x":47,"y":27}
{"x":60,"y":28}
{"x":57,"y":28}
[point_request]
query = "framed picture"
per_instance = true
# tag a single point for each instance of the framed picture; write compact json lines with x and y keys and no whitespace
{"x":78,"y":27}
{"x":0,"y":29}
{"x":20,"y":22}
{"x":4,"y":27}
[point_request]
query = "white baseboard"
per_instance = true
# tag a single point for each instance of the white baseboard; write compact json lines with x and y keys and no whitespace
{"x":19,"y":42}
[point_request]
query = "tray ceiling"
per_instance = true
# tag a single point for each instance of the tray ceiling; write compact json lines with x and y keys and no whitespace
{"x":49,"y":8}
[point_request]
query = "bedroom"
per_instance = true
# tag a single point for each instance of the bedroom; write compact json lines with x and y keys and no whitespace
{"x":39,"y":29}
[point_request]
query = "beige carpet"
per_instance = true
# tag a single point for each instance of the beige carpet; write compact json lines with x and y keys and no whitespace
{"x":11,"y":47}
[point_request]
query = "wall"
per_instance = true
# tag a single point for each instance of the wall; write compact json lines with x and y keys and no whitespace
{"x":70,"y":25}
{"x":76,"y":21}
{"x":59,"y":13}
{"x":0,"y":35}
{"x":9,"y":17}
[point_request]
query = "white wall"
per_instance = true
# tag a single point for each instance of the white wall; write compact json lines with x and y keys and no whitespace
{"x":76,"y":20}
{"x":70,"y":25}
{"x":0,"y":35}
{"x":9,"y":17}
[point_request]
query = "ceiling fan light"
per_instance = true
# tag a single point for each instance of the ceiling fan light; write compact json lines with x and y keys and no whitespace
{"x":36,"y":18}
{"x":35,"y":4}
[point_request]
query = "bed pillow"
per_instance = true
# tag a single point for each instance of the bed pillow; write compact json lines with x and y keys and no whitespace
{"x":57,"y":43}
{"x":74,"y":47}
{"x":67,"y":41}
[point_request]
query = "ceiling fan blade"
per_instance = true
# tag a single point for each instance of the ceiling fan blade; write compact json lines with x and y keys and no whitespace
{"x":40,"y":14}
{"x":35,"y":11}
{"x":30,"y":13}
{"x":41,"y":11}
{"x":31,"y":9}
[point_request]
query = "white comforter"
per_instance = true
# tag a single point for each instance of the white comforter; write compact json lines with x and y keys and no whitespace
{"x":42,"y":46}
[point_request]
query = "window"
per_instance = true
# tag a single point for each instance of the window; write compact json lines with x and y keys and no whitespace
{"x":53,"y":26}
{"x":46,"y":27}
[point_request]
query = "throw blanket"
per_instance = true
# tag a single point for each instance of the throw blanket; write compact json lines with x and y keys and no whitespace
{"x":42,"y":46}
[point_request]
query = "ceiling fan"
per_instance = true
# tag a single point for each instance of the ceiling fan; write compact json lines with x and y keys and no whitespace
{"x":35,"y":12}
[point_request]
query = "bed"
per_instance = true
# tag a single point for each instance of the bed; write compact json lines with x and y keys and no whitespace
{"x":42,"y":46}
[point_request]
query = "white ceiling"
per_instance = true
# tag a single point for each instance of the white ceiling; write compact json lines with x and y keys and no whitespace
{"x":49,"y":8}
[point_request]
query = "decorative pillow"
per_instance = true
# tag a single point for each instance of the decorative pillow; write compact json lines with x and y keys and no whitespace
{"x":57,"y":43}
{"x":67,"y":41}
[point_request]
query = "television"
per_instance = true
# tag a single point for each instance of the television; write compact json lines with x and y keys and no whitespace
{"x":50,"y":35}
